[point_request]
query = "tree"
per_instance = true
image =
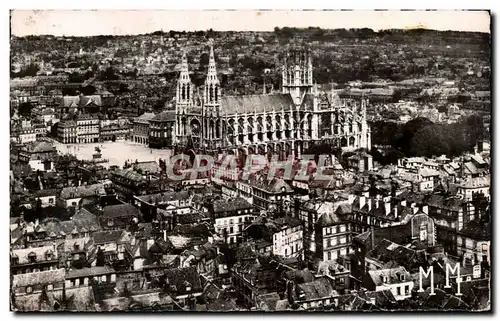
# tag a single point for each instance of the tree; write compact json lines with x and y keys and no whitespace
{"x":430,"y":141}
{"x":25,"y":109}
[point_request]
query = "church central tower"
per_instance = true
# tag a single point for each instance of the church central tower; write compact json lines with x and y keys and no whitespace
{"x":297,"y":75}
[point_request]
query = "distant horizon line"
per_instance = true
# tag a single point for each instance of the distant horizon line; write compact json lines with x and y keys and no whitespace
{"x":256,"y":31}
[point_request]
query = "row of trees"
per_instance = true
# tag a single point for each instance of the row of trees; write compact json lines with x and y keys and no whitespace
{"x":421,"y":137}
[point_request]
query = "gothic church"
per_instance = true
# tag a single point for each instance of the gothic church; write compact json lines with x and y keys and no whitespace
{"x":283,"y":123}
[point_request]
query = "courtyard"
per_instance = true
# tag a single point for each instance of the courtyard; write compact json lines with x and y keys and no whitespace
{"x":116,"y":152}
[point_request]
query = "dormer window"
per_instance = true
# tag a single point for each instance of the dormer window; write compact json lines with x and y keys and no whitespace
{"x":402,"y":278}
{"x":32,"y":257}
{"x":188,"y":286}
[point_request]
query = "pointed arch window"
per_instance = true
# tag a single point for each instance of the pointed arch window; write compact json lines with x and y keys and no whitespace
{"x":183,"y":92}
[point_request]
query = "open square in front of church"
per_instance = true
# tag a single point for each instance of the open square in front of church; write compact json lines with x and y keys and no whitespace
{"x":116,"y":152}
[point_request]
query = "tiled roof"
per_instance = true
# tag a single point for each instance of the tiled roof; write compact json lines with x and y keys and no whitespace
{"x":183,"y":277}
{"x":103,"y":237}
{"x":162,"y":198}
{"x":287,"y":222}
{"x":393,"y":276}
{"x":83,"y":191}
{"x":166,"y":116}
{"x":477,"y":230}
{"x":144,"y":118}
{"x":40,"y":252}
{"x":120,"y":210}
{"x":39,"y":147}
{"x":35,"y":278}
{"x":231,"y":205}
{"x":231,"y":105}
{"x":315,"y":290}
{"x":150,"y":167}
{"x":89,"y":271}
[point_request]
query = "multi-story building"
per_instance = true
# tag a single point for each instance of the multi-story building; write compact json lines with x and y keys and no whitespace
{"x":39,"y":155}
{"x":140,"y":128}
{"x":278,"y":123}
{"x":231,"y":217}
{"x":114,"y":132}
{"x":473,"y":243}
{"x":34,"y":259}
{"x":288,"y":240}
{"x":161,"y":130}
{"x":397,"y":280}
{"x":266,"y":194}
{"x":87,"y":128}
{"x":66,"y":132}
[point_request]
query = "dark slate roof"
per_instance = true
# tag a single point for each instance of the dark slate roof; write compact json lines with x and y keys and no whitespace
{"x":102,"y":237}
{"x":89,"y":271}
{"x":440,"y":201}
{"x":231,"y":105}
{"x":166,"y":116}
{"x":120,"y":210}
{"x":35,"y":278}
{"x":150,"y":167}
{"x":316,"y":289}
{"x":39,"y":147}
{"x":477,"y":230}
{"x":144,"y":118}
{"x":164,"y":197}
{"x":83,"y":191}
{"x":231,"y":205}
{"x":287,"y":222}
{"x":181,"y":277}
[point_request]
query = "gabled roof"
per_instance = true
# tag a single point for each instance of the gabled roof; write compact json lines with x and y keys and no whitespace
{"x":81,"y":101}
{"x":181,"y":278}
{"x":83,"y":191}
{"x":231,"y":105}
{"x":315,"y":290}
{"x":36,"y":278}
{"x":389,"y":276}
{"x":144,"y":118}
{"x":89,"y":271}
{"x":120,"y":210}
{"x":103,"y":237}
{"x":165,"y":116}
{"x":38,"y":252}
{"x":231,"y":205}
{"x":162,"y":198}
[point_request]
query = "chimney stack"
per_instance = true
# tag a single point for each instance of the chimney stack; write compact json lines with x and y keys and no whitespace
{"x":362,"y":201}
{"x":372,"y":235}
{"x":387,"y":208}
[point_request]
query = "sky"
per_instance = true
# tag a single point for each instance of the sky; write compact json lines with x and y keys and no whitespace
{"x":130,"y":22}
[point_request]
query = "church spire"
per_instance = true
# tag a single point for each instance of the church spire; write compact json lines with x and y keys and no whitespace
{"x":212,"y":71}
{"x":184,"y":67}
{"x":184,"y":92}
{"x":212,"y":85}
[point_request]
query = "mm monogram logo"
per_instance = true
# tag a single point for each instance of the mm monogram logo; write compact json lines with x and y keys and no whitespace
{"x":430,"y":273}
